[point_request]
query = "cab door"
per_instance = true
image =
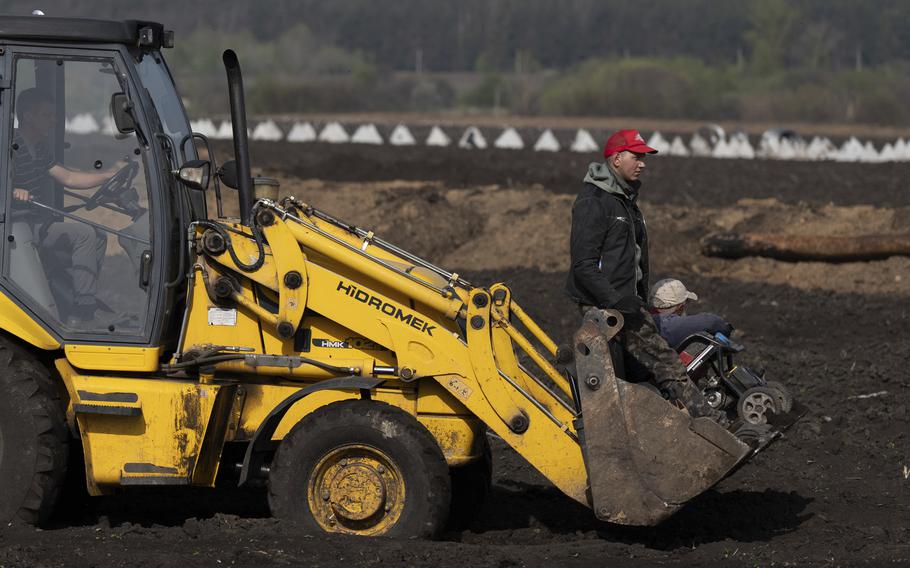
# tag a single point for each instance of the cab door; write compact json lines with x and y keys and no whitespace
{"x":78,"y":196}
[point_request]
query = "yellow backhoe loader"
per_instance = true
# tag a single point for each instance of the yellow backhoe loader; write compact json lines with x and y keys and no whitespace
{"x":283,"y":348}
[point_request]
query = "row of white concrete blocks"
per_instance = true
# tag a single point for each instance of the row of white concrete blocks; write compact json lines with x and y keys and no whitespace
{"x":710,"y":141}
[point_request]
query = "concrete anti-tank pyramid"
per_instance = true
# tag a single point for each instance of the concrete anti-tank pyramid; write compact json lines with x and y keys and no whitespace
{"x":509,"y":140}
{"x":584,"y":142}
{"x":547,"y":142}
{"x":366,"y":134}
{"x":438,"y":138}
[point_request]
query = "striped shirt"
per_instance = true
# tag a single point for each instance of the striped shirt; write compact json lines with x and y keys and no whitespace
{"x":31,"y":165}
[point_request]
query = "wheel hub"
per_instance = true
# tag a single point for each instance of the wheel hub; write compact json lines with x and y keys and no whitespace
{"x":715,"y":398}
{"x":755,"y":406}
{"x":356,"y":492}
{"x":356,"y":489}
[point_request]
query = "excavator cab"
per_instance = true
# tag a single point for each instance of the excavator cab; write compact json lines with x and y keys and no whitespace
{"x":285,"y":347}
{"x":106,"y":247}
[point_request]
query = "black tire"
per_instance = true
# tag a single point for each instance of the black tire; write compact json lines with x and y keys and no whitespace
{"x":346,"y":440}
{"x":470,"y":489}
{"x":785,"y":399}
{"x":34,"y":438}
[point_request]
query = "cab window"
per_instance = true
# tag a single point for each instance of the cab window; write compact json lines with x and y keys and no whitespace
{"x":78,"y":238}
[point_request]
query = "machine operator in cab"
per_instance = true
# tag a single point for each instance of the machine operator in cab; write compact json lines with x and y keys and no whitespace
{"x":36,"y":174}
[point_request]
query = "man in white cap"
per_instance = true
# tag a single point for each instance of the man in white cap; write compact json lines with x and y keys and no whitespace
{"x":668,"y":301}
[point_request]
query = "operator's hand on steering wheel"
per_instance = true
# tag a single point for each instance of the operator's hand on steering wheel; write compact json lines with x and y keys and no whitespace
{"x":21,"y":194}
{"x":119,"y":182}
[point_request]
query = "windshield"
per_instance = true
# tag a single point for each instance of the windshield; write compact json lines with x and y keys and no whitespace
{"x":157,"y":80}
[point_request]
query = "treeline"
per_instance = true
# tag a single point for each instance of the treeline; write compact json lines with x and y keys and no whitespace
{"x":687,"y":88}
{"x":460,"y":35}
{"x":821,"y":60}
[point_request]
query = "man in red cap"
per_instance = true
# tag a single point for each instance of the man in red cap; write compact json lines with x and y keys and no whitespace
{"x":609,"y":268}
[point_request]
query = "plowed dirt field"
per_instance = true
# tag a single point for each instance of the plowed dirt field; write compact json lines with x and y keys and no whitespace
{"x":835,"y":491}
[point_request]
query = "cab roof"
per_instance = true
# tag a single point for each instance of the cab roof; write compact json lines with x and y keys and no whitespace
{"x":134,"y":33}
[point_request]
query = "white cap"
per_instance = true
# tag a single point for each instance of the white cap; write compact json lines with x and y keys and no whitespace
{"x":670,"y":292}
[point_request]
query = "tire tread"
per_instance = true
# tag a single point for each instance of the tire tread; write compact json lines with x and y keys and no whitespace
{"x":23,"y":377}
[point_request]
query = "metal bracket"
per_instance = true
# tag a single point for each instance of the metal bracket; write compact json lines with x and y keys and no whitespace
{"x":367,"y":241}
{"x":486,"y":371}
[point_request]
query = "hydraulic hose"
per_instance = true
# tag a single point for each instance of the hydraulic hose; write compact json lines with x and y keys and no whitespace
{"x":257,"y":237}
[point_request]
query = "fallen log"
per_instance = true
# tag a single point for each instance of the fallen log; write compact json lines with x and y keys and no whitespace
{"x":806,"y":247}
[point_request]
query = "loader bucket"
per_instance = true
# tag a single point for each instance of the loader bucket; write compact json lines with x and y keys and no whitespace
{"x":644,"y":457}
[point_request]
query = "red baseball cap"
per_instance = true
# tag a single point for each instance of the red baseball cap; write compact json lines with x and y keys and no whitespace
{"x":630,"y":140}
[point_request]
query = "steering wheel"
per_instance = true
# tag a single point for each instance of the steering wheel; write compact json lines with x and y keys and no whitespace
{"x":111,"y":190}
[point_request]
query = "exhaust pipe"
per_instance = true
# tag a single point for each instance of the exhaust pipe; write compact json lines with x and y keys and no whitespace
{"x":241,"y":142}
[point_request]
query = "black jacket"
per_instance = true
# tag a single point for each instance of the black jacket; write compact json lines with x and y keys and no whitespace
{"x":606,"y":227}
